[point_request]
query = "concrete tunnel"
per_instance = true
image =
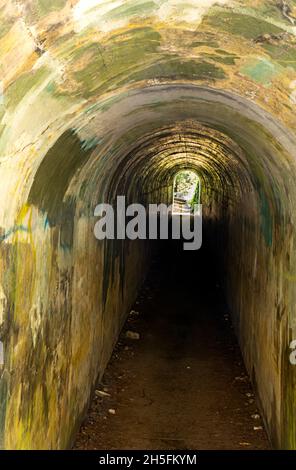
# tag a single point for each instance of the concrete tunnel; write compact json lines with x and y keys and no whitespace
{"x":106,"y":98}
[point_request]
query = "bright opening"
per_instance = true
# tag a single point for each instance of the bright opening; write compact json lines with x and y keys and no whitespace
{"x":186,"y":192}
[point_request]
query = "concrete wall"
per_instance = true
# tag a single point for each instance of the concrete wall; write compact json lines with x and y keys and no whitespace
{"x":106,"y":98}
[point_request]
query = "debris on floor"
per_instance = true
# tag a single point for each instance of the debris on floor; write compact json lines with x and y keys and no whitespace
{"x":134,"y":312}
{"x":101,"y":393}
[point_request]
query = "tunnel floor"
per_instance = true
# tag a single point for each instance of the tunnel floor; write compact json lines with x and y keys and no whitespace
{"x":181,"y":385}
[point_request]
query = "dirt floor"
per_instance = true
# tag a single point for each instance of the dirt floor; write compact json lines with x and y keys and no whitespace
{"x":182,"y":385}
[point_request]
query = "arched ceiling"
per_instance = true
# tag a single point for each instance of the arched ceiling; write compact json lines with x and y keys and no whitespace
{"x":104,"y":70}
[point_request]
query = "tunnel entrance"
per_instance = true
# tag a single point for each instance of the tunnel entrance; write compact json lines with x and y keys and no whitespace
{"x":176,"y":379}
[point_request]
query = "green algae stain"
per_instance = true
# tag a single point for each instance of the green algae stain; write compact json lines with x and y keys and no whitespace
{"x":285,"y":55}
{"x":54,"y":175}
{"x":260,"y":70}
{"x":3,"y":403}
{"x":46,"y":6}
{"x":27,"y":81}
{"x":6,"y":23}
{"x":181,"y":69}
{"x":270,"y":9}
{"x":224,"y":53}
{"x":273,"y":9}
{"x":105,"y":66}
{"x":266,"y":218}
{"x":212,"y":44}
{"x":225,"y":59}
{"x":130,"y":8}
{"x":240,"y":24}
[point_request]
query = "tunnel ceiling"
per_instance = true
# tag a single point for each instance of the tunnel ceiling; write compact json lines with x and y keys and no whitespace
{"x":153,"y":162}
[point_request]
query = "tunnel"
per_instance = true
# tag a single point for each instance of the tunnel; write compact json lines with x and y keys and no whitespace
{"x":101,"y":99}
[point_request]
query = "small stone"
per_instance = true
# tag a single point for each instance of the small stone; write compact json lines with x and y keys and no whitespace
{"x":242,"y":378}
{"x":256,"y":416}
{"x":101,"y":393}
{"x":134,"y":312}
{"x":112,"y":411}
{"x":258,"y":428}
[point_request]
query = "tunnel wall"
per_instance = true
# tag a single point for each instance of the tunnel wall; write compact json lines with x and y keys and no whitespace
{"x":259,"y":255}
{"x":253,"y":241}
{"x":70,"y":297}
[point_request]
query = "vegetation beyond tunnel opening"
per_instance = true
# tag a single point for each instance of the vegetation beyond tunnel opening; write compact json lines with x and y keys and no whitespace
{"x":186,"y":192}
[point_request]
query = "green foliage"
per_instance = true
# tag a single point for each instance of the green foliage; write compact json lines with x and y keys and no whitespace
{"x":196,"y":195}
{"x":184,"y":182}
